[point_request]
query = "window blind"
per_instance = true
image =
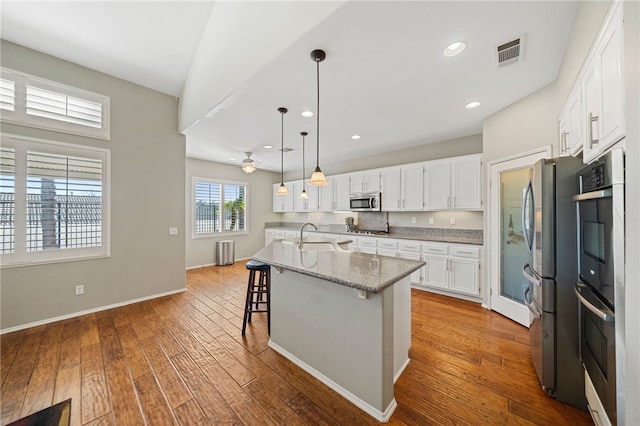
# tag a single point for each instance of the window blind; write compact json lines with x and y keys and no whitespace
{"x":58,"y":106}
{"x":219,"y":207}
{"x":208,"y":210}
{"x":7,"y":199}
{"x":7,"y":94}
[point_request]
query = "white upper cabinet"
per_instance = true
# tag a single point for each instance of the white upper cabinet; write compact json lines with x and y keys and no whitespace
{"x":437,"y":185}
{"x":571,"y":127}
{"x":300,"y":204}
{"x":334,"y":196}
{"x":390,"y":191}
{"x":364,"y":181}
{"x":592,"y":119}
{"x":411,"y":187}
{"x":283,"y":203}
{"x":454,"y":184}
{"x":467,"y":183}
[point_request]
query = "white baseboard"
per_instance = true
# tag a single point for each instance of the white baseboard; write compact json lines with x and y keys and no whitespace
{"x":214,"y":264}
{"x":399,"y":372}
{"x":88,"y":311}
{"x":381,"y":416}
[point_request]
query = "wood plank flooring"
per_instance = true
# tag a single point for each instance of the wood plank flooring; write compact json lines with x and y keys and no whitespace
{"x":180,"y":360}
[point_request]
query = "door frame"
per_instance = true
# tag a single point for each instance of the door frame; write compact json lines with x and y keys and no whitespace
{"x":494,"y":301}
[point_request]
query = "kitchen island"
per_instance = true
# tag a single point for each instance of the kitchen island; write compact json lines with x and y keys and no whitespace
{"x":344,"y":317}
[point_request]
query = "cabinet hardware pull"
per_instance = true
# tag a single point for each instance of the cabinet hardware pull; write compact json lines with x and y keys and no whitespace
{"x":465,"y":252}
{"x":592,"y":119}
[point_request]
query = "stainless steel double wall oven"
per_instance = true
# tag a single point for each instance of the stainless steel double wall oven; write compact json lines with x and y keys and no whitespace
{"x":601,"y":267}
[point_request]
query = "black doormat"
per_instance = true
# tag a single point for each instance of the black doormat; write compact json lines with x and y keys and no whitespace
{"x":56,"y":415}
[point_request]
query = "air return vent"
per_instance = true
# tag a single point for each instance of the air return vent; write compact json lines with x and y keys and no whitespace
{"x":509,"y":52}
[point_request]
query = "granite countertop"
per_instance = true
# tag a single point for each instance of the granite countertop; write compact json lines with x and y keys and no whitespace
{"x":457,"y":236}
{"x":361,"y":271}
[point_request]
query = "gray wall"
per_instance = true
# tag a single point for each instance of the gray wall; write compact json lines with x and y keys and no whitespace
{"x":147,"y":193}
{"x":532,"y":123}
{"x":201,"y":251}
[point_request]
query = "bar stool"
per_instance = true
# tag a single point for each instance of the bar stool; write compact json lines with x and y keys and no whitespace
{"x":255,"y":292}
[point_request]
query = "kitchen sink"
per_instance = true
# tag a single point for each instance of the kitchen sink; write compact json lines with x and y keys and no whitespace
{"x":316,"y":244}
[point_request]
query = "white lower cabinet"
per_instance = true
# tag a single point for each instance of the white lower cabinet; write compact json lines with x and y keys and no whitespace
{"x":452,"y":268}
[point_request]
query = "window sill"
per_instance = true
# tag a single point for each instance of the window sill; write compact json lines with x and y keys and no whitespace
{"x":24,"y":263}
{"x":218,"y":235}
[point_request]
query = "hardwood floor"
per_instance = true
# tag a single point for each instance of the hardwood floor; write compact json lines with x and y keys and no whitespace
{"x":181,"y":360}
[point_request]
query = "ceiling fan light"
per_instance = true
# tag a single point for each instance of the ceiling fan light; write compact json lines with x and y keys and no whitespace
{"x":318,"y":178}
{"x":248,"y":167}
{"x":282,"y":190}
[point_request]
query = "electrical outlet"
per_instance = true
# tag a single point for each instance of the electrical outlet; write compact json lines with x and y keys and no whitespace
{"x":173,"y":231}
{"x":430,"y":221}
{"x":413,"y":220}
{"x":452,"y":221}
{"x":79,"y":290}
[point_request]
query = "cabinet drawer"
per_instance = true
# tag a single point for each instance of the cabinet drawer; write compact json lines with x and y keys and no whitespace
{"x":386,"y":244}
{"x":367,"y":242}
{"x":409,"y":246}
{"x":472,"y":252}
{"x":433,"y":249}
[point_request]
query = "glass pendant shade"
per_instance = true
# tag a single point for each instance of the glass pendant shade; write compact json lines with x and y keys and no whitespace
{"x":248,"y":168}
{"x":318,"y":178}
{"x":304,"y":195}
{"x":282,"y":190}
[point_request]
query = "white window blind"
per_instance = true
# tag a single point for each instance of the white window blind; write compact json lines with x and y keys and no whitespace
{"x":7,"y":199}
{"x":55,"y":202}
{"x":32,"y":101}
{"x":219,"y":207}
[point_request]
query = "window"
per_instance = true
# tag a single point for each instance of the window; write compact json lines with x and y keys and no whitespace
{"x":218,"y":207}
{"x":53,"y":201}
{"x":32,"y":101}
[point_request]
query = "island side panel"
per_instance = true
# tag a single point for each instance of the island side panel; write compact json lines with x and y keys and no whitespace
{"x":401,"y":326}
{"x":344,"y":337}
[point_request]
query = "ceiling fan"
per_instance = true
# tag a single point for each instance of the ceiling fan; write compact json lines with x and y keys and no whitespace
{"x":248,"y":165}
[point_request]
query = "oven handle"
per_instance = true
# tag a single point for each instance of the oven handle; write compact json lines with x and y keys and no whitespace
{"x":594,"y":195}
{"x":605,"y":316}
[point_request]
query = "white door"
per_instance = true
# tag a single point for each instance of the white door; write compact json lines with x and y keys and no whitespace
{"x":508,"y":253}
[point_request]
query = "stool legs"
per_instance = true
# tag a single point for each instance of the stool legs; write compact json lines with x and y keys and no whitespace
{"x":254,"y":299}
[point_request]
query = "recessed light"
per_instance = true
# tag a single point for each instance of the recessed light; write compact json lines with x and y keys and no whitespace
{"x":268,"y":146}
{"x":474,"y":104}
{"x":307,"y":113}
{"x":454,"y":48}
{"x":355,"y":137}
{"x":232,"y":158}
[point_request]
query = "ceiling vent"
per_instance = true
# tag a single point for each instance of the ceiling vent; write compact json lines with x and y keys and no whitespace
{"x":510,"y":52}
{"x":286,"y":149}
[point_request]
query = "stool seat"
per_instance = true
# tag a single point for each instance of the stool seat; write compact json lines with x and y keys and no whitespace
{"x":257,"y":266}
{"x":255,"y":302}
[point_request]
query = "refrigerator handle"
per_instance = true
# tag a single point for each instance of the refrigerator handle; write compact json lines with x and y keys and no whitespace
{"x":525,"y":228}
{"x":533,"y":277}
{"x":525,"y":295}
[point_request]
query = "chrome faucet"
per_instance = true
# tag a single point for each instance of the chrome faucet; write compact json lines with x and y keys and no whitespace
{"x":300,"y":244}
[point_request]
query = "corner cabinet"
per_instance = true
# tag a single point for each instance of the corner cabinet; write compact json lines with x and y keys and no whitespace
{"x":454,"y":184}
{"x":592,"y":119}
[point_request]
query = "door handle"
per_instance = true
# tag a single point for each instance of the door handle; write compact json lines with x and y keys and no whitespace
{"x":533,"y":279}
{"x":525,"y":230}
{"x":525,"y":294}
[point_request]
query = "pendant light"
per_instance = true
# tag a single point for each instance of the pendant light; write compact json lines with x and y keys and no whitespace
{"x":303,"y":194}
{"x":282,"y":190}
{"x":318,"y":178}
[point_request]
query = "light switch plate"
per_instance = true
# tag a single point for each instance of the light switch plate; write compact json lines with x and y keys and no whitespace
{"x":173,"y":231}
{"x":452,"y":221}
{"x":430,"y":221}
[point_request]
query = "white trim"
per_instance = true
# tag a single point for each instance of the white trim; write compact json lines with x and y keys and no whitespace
{"x":401,"y":370}
{"x":89,"y":311}
{"x":467,"y":297}
{"x":381,"y":416}
{"x":222,"y":182}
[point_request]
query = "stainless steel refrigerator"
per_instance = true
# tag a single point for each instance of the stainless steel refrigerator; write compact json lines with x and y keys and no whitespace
{"x":549,"y":225}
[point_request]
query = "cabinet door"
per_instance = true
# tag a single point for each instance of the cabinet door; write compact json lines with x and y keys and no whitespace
{"x":283,"y":203}
{"x":326,"y":196}
{"x":603,"y":89}
{"x":411,"y":186}
{"x":574,"y":138}
{"x":299,"y":204}
{"x":563,"y":134}
{"x":435,"y":271}
{"x":467,"y":179}
{"x":312,"y":201}
{"x":464,"y":275}
{"x":372,"y":180}
{"x":436,"y":185}
{"x":390,"y":179}
{"x":416,"y":277}
{"x":341,"y":192}
{"x":356,"y":183}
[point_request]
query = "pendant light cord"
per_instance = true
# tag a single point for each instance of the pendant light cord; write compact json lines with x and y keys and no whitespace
{"x":281,"y":147}
{"x":303,"y":170}
{"x":318,"y":115}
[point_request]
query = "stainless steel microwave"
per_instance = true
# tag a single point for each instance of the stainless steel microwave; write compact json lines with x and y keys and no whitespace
{"x":365,"y":202}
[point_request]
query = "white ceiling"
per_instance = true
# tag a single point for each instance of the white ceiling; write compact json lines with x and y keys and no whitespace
{"x":384,"y":77}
